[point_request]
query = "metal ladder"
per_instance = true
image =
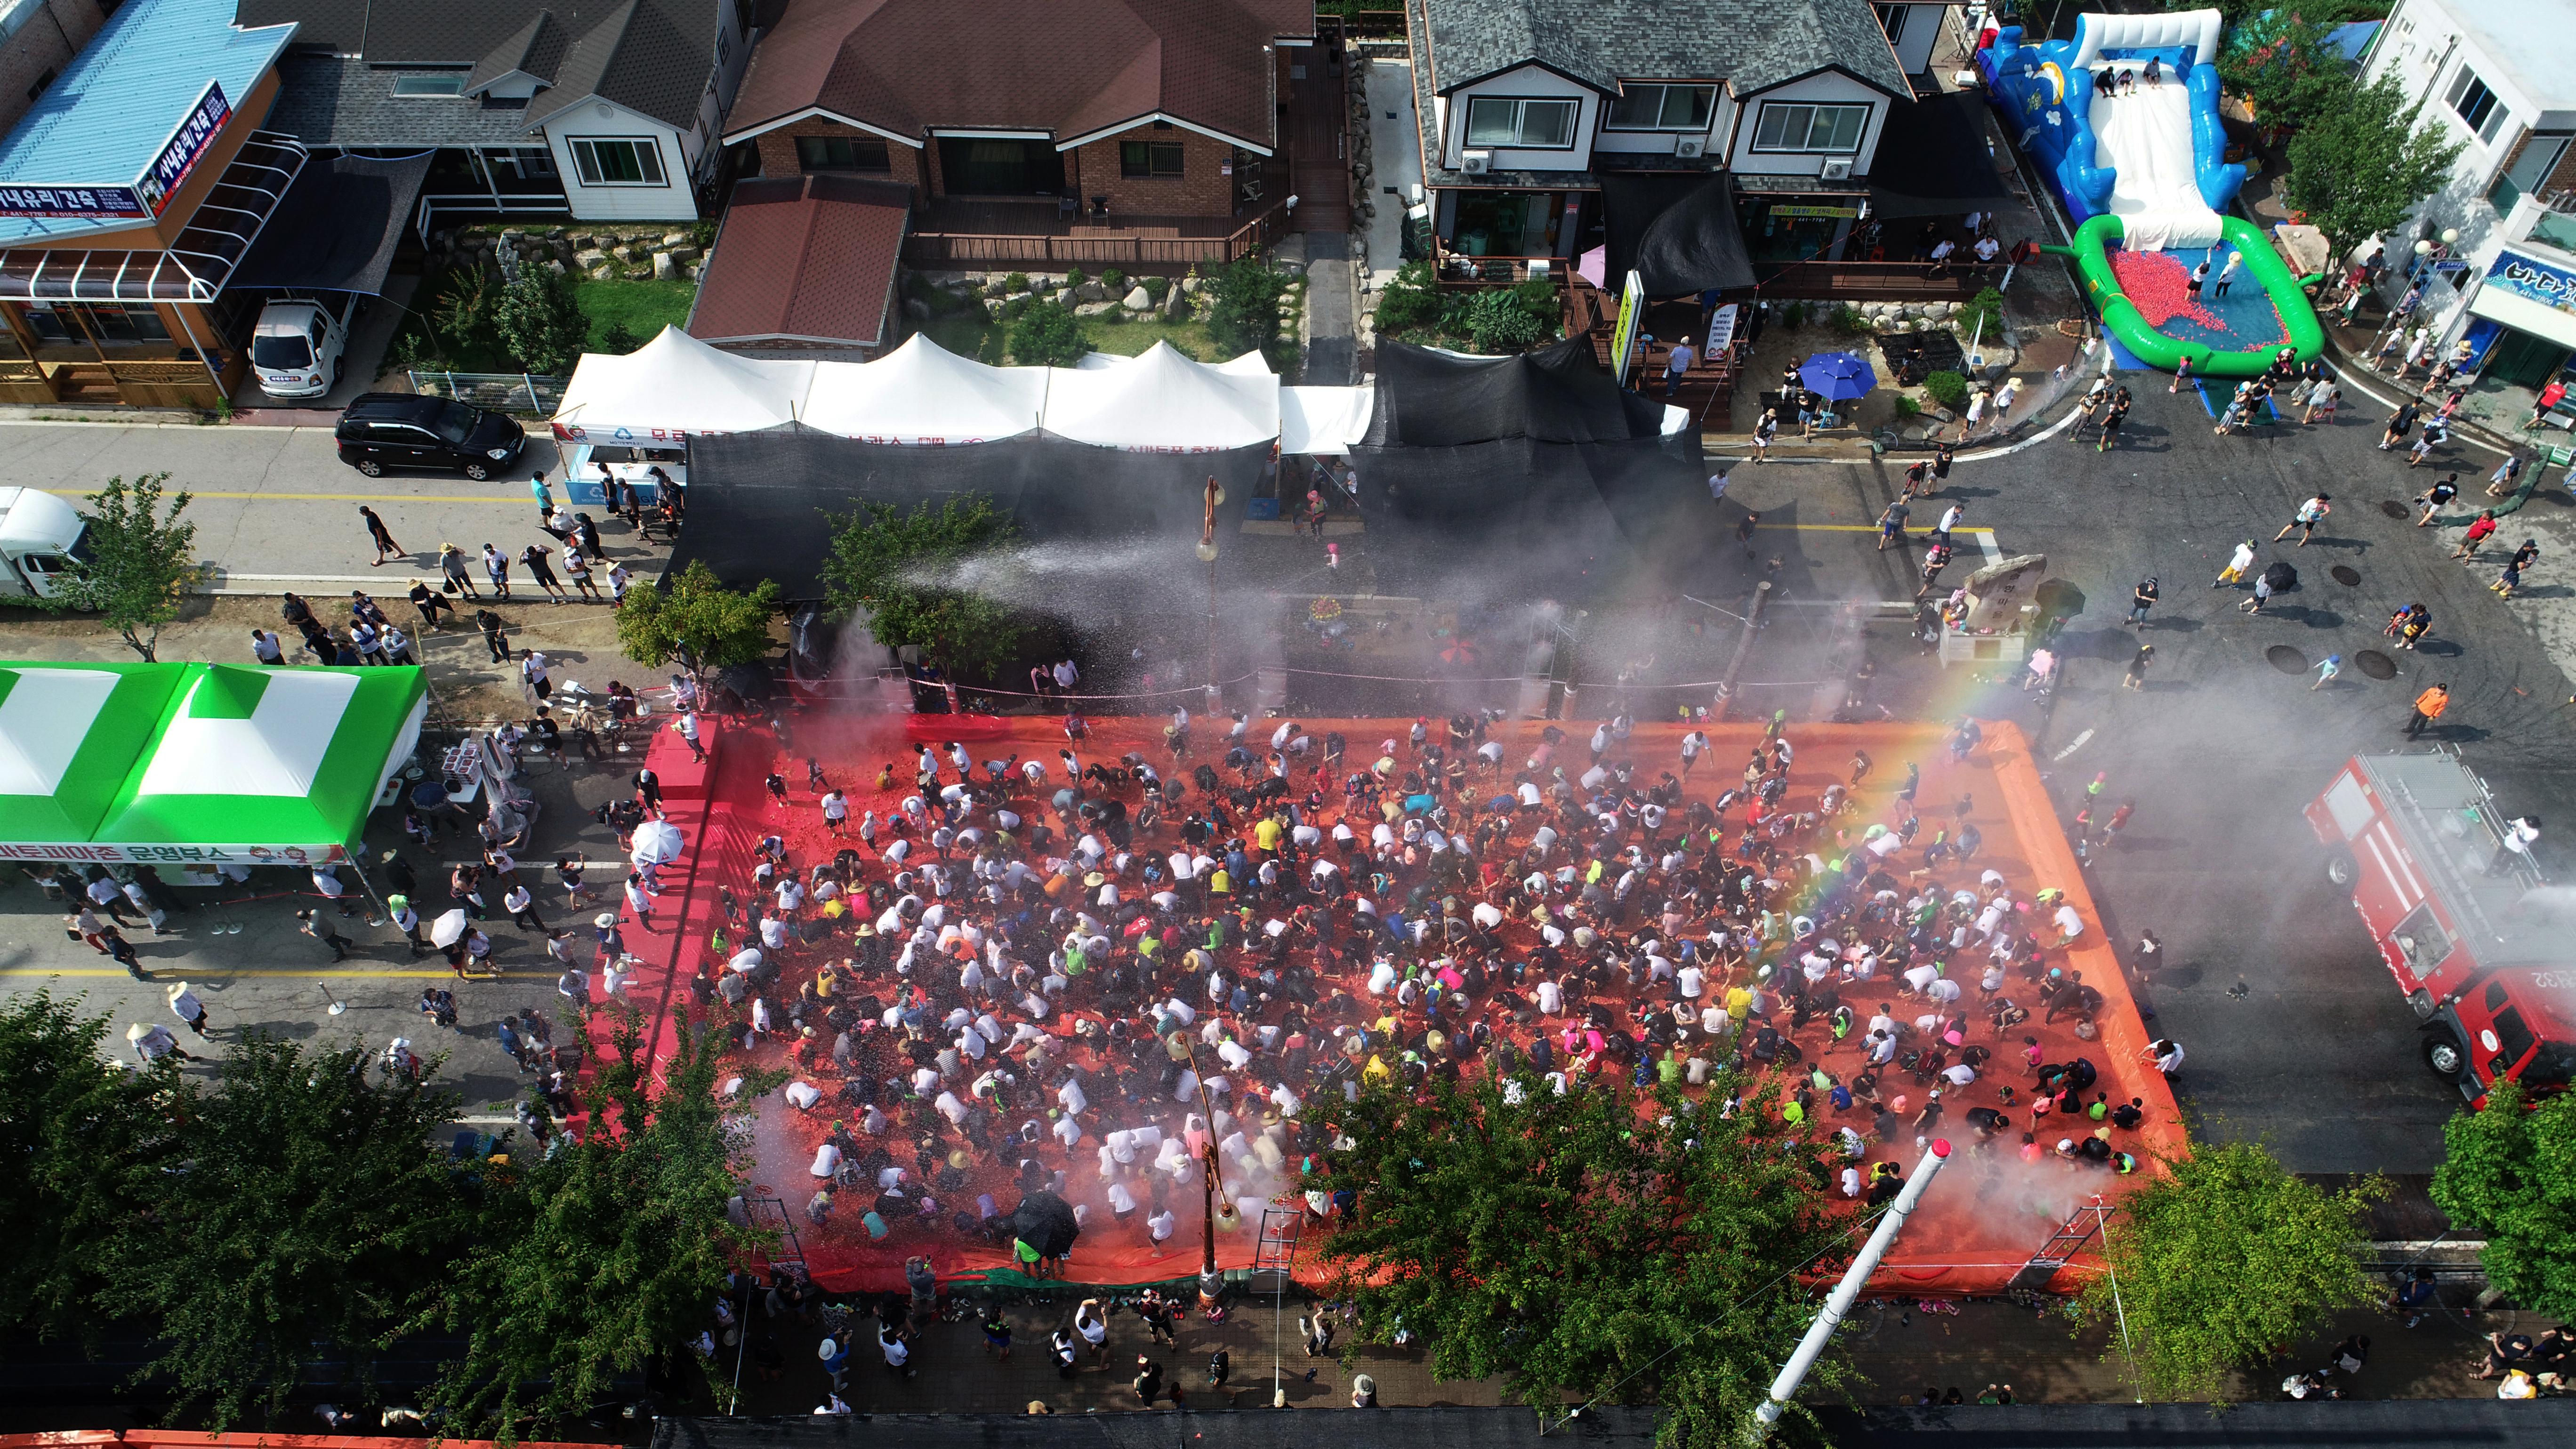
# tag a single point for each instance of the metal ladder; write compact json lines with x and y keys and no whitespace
{"x":2079,"y":1228}
{"x":1282,"y":1223}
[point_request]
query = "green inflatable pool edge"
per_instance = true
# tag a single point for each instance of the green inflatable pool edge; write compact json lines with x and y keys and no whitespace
{"x":2120,"y":316}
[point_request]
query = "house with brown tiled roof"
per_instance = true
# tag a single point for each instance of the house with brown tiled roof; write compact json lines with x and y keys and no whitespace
{"x":1047,"y":133}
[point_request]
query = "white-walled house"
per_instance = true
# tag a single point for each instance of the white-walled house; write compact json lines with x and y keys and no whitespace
{"x":583,"y":108}
{"x":2499,"y":78}
{"x":1524,"y":106}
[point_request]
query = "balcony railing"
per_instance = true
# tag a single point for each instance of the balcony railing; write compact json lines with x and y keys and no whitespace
{"x":1144,"y":246}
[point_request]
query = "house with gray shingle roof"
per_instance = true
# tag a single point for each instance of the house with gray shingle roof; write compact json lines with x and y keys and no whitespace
{"x":606,"y":110}
{"x":1525,"y":106}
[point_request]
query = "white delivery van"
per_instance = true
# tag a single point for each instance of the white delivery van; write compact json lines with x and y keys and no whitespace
{"x":301,"y":342}
{"x":40,"y":536}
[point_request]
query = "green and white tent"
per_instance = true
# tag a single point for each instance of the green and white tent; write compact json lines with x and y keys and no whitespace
{"x":248,"y":765}
{"x":70,"y":735}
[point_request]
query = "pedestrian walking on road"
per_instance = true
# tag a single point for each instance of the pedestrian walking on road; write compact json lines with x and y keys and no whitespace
{"x":2262,"y":594}
{"x":185,"y":1005}
{"x":2501,"y":481}
{"x":383,"y":538}
{"x":545,"y":497}
{"x":2400,"y":423}
{"x":2234,"y":573}
{"x":2141,"y":599}
{"x":1891,"y":524}
{"x":2481,"y":528}
{"x":2310,"y":514}
{"x":2428,"y":708}
{"x":320,"y":929}
{"x":2434,"y":499}
{"x":2137,"y":675}
{"x":2327,"y":671}
{"x":2323,"y":399}
{"x":2113,"y":420}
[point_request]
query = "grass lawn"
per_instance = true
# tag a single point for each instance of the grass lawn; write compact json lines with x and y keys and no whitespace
{"x":646,"y":307}
{"x":986,"y":341}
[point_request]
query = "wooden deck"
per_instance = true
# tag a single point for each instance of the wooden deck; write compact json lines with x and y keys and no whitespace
{"x":1317,"y":143}
{"x":1874,"y":281}
{"x":1705,"y":390}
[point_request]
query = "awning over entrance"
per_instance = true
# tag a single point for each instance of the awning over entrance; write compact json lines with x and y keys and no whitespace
{"x":1934,"y":157}
{"x":2530,"y":296}
{"x":338,"y":227}
{"x":1678,"y":233}
{"x":196,"y":267}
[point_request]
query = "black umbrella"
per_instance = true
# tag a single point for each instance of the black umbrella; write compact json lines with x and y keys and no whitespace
{"x":1045,"y":1222}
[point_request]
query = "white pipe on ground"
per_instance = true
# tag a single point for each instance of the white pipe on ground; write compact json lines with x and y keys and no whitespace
{"x":1830,"y":1317}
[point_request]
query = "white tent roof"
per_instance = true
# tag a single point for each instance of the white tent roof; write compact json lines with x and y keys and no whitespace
{"x":1324,"y":419}
{"x":675,"y":385}
{"x":923,"y":393}
{"x":1164,"y":402}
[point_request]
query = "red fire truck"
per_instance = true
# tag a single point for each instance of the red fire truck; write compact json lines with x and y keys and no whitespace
{"x":2470,"y":929}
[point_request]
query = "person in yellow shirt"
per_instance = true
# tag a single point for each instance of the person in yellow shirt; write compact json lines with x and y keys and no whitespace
{"x":1739,"y":1004}
{"x":1376,"y":1071}
{"x":1265,"y":834}
{"x":1220,"y":882}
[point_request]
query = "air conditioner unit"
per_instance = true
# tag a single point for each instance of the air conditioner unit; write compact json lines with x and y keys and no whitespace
{"x":1477,"y":163}
{"x":1690,"y":148}
{"x":1835,"y":171}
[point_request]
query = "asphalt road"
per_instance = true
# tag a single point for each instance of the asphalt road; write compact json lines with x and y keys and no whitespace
{"x":275,"y":506}
{"x":2221,"y":750}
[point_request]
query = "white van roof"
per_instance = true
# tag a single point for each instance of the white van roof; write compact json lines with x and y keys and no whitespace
{"x":31,"y":518}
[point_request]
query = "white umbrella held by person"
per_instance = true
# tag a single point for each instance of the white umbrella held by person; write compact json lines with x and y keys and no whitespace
{"x":657,"y":842}
{"x":448,"y":929}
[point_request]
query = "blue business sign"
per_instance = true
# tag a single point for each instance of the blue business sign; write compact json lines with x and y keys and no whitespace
{"x":2536,"y":281}
{"x":150,"y":194}
{"x":72,"y":202}
{"x":187,"y":146}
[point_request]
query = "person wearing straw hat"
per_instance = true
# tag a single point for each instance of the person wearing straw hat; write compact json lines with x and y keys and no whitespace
{"x":188,"y":1007}
{"x":152,"y":1043}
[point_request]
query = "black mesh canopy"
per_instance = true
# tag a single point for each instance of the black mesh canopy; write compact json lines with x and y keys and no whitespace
{"x":1679,"y":234}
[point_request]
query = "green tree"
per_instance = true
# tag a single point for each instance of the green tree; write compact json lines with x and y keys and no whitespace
{"x":617,"y":339}
{"x":1047,"y":334}
{"x":137,"y":566}
{"x":1599,"y":1244}
{"x":2509,"y":1173}
{"x":724,"y":625}
{"x":2220,"y":1262}
{"x":310,"y":1215}
{"x":2357,"y":169}
{"x":538,"y":319}
{"x":1243,"y":310}
{"x":903,"y":572}
{"x":85,"y":1146}
{"x":1409,"y":299}
{"x":612,"y":1250}
{"x":2281,"y":65}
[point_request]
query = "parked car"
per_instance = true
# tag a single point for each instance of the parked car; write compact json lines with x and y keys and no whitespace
{"x":381,"y":430}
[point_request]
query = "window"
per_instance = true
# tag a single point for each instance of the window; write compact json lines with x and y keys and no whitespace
{"x":2475,"y":105}
{"x":1891,"y":18}
{"x":104,"y":321}
{"x":2514,"y":1039}
{"x":1786,"y":127}
{"x":450,"y":84}
{"x":618,"y":163}
{"x":1510,"y":121}
{"x":2539,"y":157}
{"x":1662,"y":108}
{"x":842,"y":153}
{"x":1149,"y":158}
{"x":2420,"y":941}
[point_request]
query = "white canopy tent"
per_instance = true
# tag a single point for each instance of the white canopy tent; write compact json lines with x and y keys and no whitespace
{"x":675,"y":385}
{"x":1161,"y":401}
{"x":923,"y":393}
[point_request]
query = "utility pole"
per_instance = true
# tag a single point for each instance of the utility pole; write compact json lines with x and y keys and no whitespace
{"x":1830,"y":1317}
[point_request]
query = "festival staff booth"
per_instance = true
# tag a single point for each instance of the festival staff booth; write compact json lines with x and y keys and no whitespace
{"x":201,"y":765}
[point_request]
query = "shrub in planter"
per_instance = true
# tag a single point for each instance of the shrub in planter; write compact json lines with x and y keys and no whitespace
{"x":1948,"y":389}
{"x":1015,"y":282}
{"x":1115,"y":280}
{"x":1158,"y":288}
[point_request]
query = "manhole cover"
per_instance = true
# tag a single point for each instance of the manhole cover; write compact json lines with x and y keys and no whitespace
{"x":2346,"y":575}
{"x":2286,"y":659}
{"x":2395,"y":509}
{"x":2375,"y":664}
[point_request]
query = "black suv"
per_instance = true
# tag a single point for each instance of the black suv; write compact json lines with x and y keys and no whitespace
{"x":383,"y":430}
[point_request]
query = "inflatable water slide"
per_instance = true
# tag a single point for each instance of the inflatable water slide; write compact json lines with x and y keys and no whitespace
{"x":2123,"y":120}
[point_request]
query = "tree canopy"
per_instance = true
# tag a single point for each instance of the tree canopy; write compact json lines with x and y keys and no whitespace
{"x":902,"y":571}
{"x":611,"y":1250}
{"x":1599,"y":1244}
{"x":2220,"y":1262}
{"x":540,"y":322}
{"x":308,"y":1210}
{"x":138,"y":563}
{"x":725,"y":626}
{"x":2359,"y":168}
{"x":1047,"y":334}
{"x":2509,"y":1174}
{"x":1243,"y":312}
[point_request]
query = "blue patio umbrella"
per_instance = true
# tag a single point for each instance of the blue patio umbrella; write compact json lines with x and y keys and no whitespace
{"x":1837,"y":376}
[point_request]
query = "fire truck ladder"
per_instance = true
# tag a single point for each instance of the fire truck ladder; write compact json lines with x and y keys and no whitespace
{"x":2080,"y":1228}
